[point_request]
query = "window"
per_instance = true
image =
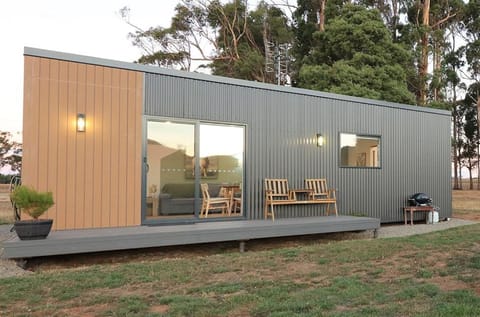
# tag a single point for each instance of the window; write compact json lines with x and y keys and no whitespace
{"x":175,"y":169}
{"x":359,"y":150}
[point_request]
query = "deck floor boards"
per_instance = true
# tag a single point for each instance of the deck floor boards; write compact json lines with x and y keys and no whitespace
{"x":124,"y":238}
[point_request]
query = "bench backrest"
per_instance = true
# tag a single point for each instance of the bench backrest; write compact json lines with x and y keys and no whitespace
{"x":318,"y":185}
{"x":276,"y":188}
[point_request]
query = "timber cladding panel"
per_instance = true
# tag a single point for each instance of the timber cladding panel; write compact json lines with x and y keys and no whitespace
{"x":95,"y":176}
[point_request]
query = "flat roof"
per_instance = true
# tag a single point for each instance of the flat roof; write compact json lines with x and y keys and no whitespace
{"x":30,"y":51}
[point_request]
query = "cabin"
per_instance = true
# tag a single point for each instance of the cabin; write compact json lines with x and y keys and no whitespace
{"x":125,"y":148}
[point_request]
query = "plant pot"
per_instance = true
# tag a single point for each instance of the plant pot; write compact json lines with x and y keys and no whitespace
{"x":33,"y":229}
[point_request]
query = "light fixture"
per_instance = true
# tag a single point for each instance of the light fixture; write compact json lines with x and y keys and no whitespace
{"x":81,"y":122}
{"x":320,"y":140}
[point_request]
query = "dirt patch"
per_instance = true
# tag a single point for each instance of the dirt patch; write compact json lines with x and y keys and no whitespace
{"x":159,"y":309}
{"x":85,"y":311}
{"x":447,"y":283}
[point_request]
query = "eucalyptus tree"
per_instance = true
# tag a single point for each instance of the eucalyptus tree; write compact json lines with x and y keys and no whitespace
{"x":472,"y":48}
{"x":424,"y":32}
{"x":222,"y":36}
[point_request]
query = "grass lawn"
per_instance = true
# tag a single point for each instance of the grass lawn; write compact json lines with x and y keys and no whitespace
{"x":436,"y":274}
{"x":429,"y":275}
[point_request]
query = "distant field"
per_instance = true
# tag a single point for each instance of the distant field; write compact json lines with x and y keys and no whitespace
{"x":466,"y":204}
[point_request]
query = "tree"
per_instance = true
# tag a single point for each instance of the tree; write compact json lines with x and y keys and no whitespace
{"x":469,"y":149}
{"x":356,"y":56}
{"x":264,"y":26}
{"x":424,"y":33}
{"x":226,"y":36}
{"x":10,"y":152}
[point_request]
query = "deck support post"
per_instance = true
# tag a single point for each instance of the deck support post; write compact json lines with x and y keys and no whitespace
{"x":242,"y":245}
{"x":375,"y":233}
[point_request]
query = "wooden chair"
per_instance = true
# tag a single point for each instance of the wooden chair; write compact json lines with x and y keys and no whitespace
{"x":321,"y":193}
{"x":276,"y":192}
{"x":209,"y":203}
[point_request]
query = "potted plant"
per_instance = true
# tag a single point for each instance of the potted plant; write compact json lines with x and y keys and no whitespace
{"x":34,"y":204}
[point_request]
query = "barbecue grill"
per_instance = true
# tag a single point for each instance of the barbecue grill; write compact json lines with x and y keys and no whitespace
{"x":420,"y":199}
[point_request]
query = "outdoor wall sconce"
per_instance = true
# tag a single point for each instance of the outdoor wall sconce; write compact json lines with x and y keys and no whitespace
{"x":320,"y":140}
{"x":81,"y":122}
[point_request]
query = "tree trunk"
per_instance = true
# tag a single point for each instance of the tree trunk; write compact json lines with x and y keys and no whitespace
{"x":455,"y":136}
{"x":470,"y":177}
{"x":321,"y":16}
{"x":478,"y":153}
{"x":423,"y":65}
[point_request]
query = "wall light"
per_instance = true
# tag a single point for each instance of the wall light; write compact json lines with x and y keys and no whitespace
{"x":81,"y":122}
{"x":320,"y":140}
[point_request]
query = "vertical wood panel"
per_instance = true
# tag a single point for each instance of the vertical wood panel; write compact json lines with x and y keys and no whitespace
{"x":34,"y":123}
{"x":28,"y":159}
{"x":53,"y":133}
{"x":139,"y":89}
{"x":123,"y":182}
{"x":93,"y":174}
{"x":71,"y":145}
{"x":43,"y":116}
{"x":98,"y":152}
{"x":61,"y":196}
{"x":132,"y":117}
{"x":106,"y":139}
{"x":115,"y":157}
{"x":80,"y":186}
{"x":89,"y":146}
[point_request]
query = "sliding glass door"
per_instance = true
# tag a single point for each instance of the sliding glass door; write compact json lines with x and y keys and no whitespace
{"x":175,"y":173}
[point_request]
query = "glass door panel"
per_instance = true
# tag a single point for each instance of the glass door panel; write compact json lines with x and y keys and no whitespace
{"x":221,"y":168}
{"x":170,"y":188}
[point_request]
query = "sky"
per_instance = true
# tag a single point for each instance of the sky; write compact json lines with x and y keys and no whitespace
{"x":92,"y":28}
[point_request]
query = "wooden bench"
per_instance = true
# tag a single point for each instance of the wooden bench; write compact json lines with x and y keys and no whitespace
{"x":321,"y":193}
{"x":278,"y":193}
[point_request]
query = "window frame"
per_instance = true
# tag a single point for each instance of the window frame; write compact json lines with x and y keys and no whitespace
{"x":197,"y":123}
{"x":365,"y":136}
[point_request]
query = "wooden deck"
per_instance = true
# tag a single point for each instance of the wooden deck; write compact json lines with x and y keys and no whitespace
{"x":96,"y":240}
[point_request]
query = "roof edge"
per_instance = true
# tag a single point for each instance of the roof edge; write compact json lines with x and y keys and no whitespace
{"x":36,"y":52}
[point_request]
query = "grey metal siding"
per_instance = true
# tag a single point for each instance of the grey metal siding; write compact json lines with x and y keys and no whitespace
{"x":281,"y":129}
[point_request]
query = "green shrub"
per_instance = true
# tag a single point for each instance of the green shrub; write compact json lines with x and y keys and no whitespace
{"x":32,"y":202}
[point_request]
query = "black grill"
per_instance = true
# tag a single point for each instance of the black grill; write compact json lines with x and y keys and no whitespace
{"x":420,"y":199}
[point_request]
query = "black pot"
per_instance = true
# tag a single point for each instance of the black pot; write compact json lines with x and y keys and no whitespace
{"x":33,"y":229}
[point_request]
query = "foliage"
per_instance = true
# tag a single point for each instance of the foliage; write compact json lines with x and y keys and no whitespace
{"x":356,"y":56}
{"x":30,"y":201}
{"x":10,"y":152}
{"x":227,"y":36}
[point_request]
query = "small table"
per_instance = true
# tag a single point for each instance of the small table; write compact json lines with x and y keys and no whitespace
{"x":229,"y":193}
{"x":304,"y":191}
{"x":412,"y":209}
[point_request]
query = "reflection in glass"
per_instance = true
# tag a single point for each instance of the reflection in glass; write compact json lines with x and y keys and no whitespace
{"x":221,"y":164}
{"x":359,"y":151}
{"x":172,"y":168}
{"x":169,"y":193}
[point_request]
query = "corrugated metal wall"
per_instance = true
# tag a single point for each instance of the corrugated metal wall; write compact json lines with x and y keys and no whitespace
{"x":281,"y":129}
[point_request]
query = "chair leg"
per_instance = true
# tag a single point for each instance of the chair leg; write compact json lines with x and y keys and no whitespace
{"x":207,"y":208}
